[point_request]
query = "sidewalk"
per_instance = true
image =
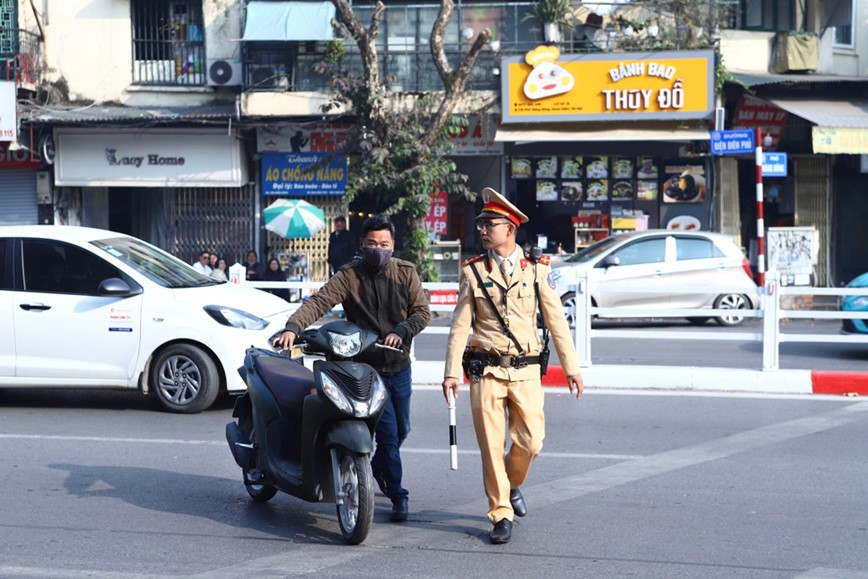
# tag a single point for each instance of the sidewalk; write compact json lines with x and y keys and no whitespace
{"x":691,"y":378}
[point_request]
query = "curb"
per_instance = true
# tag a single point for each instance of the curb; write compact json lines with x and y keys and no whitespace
{"x":691,"y":378}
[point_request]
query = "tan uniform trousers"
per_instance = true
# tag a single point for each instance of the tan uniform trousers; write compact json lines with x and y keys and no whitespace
{"x":491,"y":401}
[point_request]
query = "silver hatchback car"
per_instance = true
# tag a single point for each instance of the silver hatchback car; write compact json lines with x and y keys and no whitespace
{"x":621,"y":266}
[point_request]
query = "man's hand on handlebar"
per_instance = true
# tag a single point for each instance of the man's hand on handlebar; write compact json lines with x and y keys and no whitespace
{"x":393,"y":340}
{"x":284,"y":341}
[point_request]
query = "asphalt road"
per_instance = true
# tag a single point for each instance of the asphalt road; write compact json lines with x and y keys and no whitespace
{"x":657,"y":485}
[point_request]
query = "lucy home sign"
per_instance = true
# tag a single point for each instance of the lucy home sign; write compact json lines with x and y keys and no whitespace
{"x":774,"y":164}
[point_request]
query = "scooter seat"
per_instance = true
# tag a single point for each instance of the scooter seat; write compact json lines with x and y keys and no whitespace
{"x":289,"y":381}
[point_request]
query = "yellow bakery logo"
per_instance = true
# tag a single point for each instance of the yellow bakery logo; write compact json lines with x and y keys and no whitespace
{"x":547,"y":77}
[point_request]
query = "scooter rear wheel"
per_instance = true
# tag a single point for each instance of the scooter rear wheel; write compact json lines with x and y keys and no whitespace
{"x":259,"y":492}
{"x":356,"y":513}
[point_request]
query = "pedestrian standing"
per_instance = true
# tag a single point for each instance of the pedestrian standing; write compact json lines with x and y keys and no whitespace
{"x":273,"y":272}
{"x":342,"y":245}
{"x":202,"y":264}
{"x":498,"y":296}
{"x":254,"y":268}
{"x":383,"y":294}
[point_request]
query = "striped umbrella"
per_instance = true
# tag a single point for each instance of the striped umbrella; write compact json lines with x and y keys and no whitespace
{"x":294,"y":218}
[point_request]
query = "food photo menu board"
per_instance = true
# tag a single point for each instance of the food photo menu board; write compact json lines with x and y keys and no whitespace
{"x":589,"y":180}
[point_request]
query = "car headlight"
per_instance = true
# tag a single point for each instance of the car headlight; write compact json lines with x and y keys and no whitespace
{"x":235,"y":318}
{"x":861,"y":302}
{"x":335,"y":395}
{"x":345,"y":345}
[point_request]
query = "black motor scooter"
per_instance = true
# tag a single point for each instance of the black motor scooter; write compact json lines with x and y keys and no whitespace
{"x":310,"y":433}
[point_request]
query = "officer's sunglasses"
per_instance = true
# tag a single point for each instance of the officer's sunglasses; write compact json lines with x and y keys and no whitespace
{"x":480,"y":225}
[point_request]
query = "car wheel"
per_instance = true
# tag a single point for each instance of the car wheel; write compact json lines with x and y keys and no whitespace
{"x":730,"y":302}
{"x":698,"y":321}
{"x":185,"y":379}
{"x":569,"y":302}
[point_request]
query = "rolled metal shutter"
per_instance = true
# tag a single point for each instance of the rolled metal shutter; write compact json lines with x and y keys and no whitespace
{"x":18,"y":198}
{"x":812,"y":184}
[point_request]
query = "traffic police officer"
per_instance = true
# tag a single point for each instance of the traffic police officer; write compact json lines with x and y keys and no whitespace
{"x":503,"y":357}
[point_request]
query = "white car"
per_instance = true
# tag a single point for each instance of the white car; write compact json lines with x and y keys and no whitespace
{"x":89,"y":308}
{"x":620,"y":267}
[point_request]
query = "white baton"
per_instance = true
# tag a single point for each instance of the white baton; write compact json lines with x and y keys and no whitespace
{"x":453,"y":434}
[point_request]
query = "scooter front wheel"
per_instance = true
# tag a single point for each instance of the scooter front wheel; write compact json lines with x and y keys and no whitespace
{"x":355,"y":497}
{"x":259,"y":492}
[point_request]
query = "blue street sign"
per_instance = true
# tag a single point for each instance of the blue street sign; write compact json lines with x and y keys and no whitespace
{"x":774,"y":164}
{"x":735,"y":142}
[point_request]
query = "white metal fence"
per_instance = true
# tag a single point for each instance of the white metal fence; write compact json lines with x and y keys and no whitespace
{"x":770,"y":311}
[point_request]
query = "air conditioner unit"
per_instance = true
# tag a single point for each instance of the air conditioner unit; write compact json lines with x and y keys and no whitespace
{"x":267,"y":76}
{"x":224,"y":72}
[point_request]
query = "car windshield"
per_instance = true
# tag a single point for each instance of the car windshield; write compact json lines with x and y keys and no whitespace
{"x":157,"y":265}
{"x":592,"y":251}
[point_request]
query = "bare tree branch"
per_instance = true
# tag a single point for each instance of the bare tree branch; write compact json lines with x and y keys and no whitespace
{"x":455,"y":87}
{"x":438,"y":53}
{"x":366,"y":41}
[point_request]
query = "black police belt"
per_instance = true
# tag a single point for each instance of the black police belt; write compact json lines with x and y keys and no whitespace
{"x":517,"y":362}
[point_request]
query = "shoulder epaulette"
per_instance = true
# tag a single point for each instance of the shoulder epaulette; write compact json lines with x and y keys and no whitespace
{"x":473,"y":259}
{"x":544,"y":259}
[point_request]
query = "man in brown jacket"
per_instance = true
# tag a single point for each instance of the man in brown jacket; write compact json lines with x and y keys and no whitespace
{"x":506,"y":355}
{"x":382,"y":294}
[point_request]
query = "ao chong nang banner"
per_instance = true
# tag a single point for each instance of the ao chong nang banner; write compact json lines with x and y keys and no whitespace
{"x":304,"y":174}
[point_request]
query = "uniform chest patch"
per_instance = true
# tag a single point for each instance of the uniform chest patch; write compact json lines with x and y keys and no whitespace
{"x":550,"y":278}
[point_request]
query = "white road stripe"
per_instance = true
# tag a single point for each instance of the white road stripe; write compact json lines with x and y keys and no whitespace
{"x":167,"y":441}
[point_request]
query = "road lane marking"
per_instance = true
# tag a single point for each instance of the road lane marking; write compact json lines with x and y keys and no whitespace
{"x":572,"y":487}
{"x":552,"y":493}
{"x":407,"y":450}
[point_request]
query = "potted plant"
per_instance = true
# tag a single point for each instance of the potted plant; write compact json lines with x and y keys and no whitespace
{"x":554,"y":15}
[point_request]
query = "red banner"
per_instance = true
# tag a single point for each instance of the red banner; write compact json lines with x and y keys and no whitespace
{"x":438,"y":214}
{"x":753,"y":112}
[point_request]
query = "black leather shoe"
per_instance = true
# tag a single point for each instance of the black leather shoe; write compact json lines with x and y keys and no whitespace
{"x":502,"y":532}
{"x":517,"y":502}
{"x":400,"y":510}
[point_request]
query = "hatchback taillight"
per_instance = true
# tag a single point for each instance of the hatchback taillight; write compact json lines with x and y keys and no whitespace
{"x":746,"y":265}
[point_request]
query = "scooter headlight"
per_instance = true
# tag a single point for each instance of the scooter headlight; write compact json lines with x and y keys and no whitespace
{"x":333,"y":392}
{"x":345,"y":345}
{"x":378,"y":394}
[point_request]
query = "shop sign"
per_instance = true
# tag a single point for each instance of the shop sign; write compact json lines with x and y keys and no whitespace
{"x":436,"y":222}
{"x":303,"y":137}
{"x":304,"y":174}
{"x":150,"y":158}
{"x":476,"y":138}
{"x":840,"y":140}
{"x":19,"y":159}
{"x":774,"y":164}
{"x":545,"y":86}
{"x":8,"y":112}
{"x":753,"y":112}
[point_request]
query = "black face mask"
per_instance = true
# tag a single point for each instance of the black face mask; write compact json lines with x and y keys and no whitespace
{"x":376,"y":257}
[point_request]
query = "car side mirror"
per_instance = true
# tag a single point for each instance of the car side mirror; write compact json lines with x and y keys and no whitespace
{"x":611,"y":260}
{"x":116,"y":287}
